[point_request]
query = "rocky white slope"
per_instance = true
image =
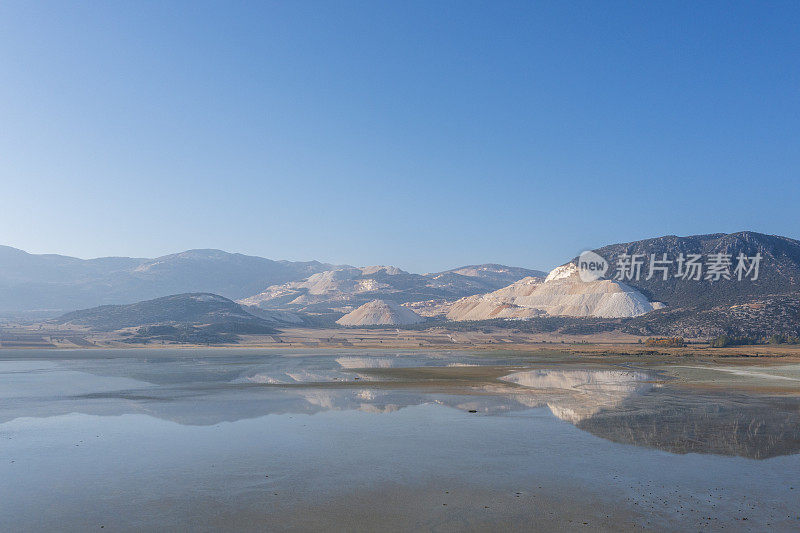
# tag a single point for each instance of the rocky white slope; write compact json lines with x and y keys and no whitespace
{"x":350,"y":287}
{"x":380,"y":312}
{"x":562,"y":293}
{"x":330,"y":286}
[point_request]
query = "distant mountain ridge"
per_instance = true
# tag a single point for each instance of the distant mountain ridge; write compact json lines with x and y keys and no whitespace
{"x":674,"y":306}
{"x":44,"y":285}
{"x":314,"y":294}
{"x":54,"y":283}
{"x":481,"y":278}
{"x":352,"y":287}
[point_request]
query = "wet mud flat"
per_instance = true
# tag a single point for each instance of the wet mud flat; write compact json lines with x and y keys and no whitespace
{"x":392,"y":440}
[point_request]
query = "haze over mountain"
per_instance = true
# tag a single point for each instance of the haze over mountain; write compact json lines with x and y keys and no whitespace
{"x":313,"y":293}
{"x":49,"y":284}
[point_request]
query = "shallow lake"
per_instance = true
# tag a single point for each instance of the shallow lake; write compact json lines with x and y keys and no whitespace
{"x":237,"y":439}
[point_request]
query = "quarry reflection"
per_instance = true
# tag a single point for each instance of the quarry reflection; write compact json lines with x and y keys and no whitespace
{"x":622,"y":405}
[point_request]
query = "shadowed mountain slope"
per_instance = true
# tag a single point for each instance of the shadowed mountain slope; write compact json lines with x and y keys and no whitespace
{"x":779,"y":271}
{"x":193,"y":309}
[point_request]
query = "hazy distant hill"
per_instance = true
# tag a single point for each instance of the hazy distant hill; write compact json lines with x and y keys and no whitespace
{"x":55,"y":283}
{"x":480,"y":278}
{"x":194,"y":309}
{"x":283,"y":291}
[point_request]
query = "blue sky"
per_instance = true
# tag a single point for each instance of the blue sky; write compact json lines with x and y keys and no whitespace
{"x":421,"y":134}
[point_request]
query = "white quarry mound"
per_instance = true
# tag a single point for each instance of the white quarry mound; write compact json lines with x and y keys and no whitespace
{"x":497,"y":304}
{"x":562,"y":293}
{"x":380,"y":312}
{"x":562,"y":272}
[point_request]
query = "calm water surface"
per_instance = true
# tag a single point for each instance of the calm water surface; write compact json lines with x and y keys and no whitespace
{"x":338,"y":440}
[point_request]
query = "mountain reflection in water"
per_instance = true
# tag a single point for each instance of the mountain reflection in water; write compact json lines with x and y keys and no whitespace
{"x":721,"y":424}
{"x":618,"y":404}
{"x":627,"y":407}
{"x":590,"y":390}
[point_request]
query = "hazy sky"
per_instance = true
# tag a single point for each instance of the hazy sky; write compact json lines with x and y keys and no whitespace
{"x":420,"y":134}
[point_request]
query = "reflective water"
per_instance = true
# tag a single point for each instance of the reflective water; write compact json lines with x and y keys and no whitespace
{"x":242,"y":439}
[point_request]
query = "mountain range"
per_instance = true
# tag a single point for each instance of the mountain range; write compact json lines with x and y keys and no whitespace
{"x":281,"y":292}
{"x":758,"y":303}
{"x":342,"y":289}
{"x":47,"y":284}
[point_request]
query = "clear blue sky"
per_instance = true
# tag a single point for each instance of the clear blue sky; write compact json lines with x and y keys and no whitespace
{"x":421,"y":134}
